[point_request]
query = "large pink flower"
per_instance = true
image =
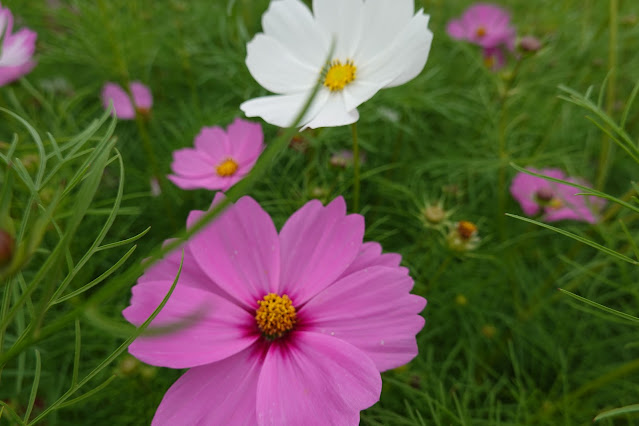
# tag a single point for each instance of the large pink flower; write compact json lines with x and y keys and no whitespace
{"x":485,"y":25}
{"x":220,"y":159}
{"x":283,"y":329}
{"x":17,"y":49}
{"x":123,"y":107}
{"x":557,"y":201}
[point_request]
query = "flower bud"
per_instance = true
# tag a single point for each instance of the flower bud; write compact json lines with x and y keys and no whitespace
{"x":529,"y":44}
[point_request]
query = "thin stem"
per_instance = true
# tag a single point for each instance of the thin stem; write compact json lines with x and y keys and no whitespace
{"x":355,"y":169}
{"x":606,"y":153}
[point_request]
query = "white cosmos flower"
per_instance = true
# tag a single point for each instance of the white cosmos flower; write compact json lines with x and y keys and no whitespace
{"x":378,"y":44}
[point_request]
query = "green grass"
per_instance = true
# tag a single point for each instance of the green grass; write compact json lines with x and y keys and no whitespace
{"x":517,"y":352}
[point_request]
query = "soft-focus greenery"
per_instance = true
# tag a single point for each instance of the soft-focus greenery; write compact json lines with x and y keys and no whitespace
{"x":501,"y":345}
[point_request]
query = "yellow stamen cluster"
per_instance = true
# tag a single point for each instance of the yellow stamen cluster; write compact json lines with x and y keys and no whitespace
{"x":480,"y":32}
{"x":275,"y":316}
{"x":339,"y":75}
{"x":466,"y":230}
{"x":555,"y":203}
{"x":227,"y":168}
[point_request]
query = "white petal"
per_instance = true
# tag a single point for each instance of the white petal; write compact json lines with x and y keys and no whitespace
{"x":359,"y":91}
{"x":383,"y":21}
{"x":281,"y":110}
{"x":334,"y":113}
{"x":276,"y":69}
{"x":292,"y":24}
{"x":341,"y":19}
{"x":404,"y":59}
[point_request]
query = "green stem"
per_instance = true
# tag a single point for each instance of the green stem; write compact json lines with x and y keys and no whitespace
{"x":606,"y":153}
{"x":355,"y":169}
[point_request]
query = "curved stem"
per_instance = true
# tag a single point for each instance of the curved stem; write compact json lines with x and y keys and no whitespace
{"x":355,"y":169}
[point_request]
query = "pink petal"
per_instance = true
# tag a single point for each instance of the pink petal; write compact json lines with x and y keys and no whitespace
{"x":222,"y":393}
{"x":142,"y":96}
{"x":373,"y":310}
{"x":247,"y":141}
{"x":317,"y":244}
{"x":456,"y":30}
{"x":209,"y":328}
{"x":211,"y":183}
{"x":369,"y":255}
{"x":191,"y":275}
{"x":214,"y":142}
{"x":11,"y":74}
{"x":315,"y":380}
{"x":240,"y":252}
{"x":188,"y":162}
{"x":122,"y":107}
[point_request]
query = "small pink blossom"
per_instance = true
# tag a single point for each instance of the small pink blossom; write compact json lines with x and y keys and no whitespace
{"x":123,"y":107}
{"x":219,"y":159}
{"x":288,"y":328}
{"x":556,"y":201}
{"x":485,"y":25}
{"x":16,"y":52}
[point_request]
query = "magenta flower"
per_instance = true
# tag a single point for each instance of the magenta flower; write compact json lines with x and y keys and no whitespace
{"x":283,"y":329}
{"x":123,"y":107}
{"x":220,"y":159}
{"x":485,"y":25}
{"x":556,"y":201}
{"x":16,"y":52}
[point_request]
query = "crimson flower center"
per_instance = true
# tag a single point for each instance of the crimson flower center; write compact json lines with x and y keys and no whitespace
{"x":339,"y":75}
{"x":227,"y":168}
{"x":275,"y":315}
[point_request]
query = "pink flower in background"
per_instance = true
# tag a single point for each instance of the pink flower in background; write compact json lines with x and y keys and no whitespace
{"x":556,"y":201}
{"x":494,"y":58}
{"x":16,"y":53}
{"x":123,"y":107}
{"x":485,"y":25}
{"x":285,"y":328}
{"x":220,"y":159}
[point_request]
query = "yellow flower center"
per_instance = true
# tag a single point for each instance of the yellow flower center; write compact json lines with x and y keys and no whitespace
{"x":555,"y":204}
{"x":480,"y":32}
{"x":466,"y":229}
{"x":339,"y":75}
{"x":275,"y":316}
{"x":227,"y":168}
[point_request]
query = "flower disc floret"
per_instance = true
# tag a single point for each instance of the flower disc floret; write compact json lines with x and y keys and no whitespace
{"x":339,"y":75}
{"x":275,"y":316}
{"x":227,"y":168}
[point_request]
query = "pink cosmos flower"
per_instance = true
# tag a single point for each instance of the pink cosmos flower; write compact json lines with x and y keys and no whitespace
{"x":220,"y":159}
{"x":123,"y":108}
{"x":556,"y":201}
{"x":283,"y":329}
{"x":16,"y":51}
{"x":485,"y":25}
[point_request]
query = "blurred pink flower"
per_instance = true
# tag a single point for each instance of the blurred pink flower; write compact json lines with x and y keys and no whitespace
{"x":16,"y":51}
{"x":123,"y":108}
{"x":494,"y":58}
{"x":556,"y":201}
{"x":485,"y":25}
{"x":278,"y":329}
{"x":345,"y":158}
{"x":220,"y":159}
